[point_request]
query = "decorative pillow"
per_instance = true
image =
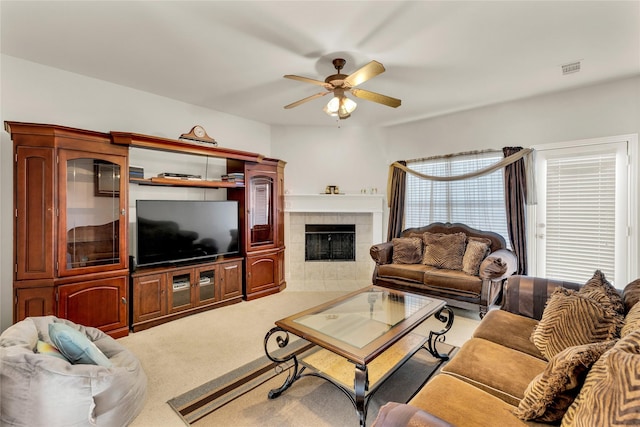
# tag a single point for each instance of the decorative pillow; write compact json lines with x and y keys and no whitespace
{"x":631,"y":321}
{"x":601,"y":290}
{"x":474,"y":254}
{"x":407,"y":250}
{"x":46,"y":348}
{"x":551,"y":393}
{"x":610,"y":395}
{"x":492,"y":267}
{"x":631,"y":294}
{"x":480,"y":239}
{"x":571,"y":319}
{"x":444,"y":250}
{"x":75,"y":346}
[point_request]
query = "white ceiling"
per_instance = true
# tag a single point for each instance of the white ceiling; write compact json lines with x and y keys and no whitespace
{"x":440,"y":56}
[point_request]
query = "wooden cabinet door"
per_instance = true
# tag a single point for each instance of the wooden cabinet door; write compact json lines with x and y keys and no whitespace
{"x":149,"y":297}
{"x":100,"y":303}
{"x":32,"y":302}
{"x":262,"y":275}
{"x":230,"y":279}
{"x":35,"y":213}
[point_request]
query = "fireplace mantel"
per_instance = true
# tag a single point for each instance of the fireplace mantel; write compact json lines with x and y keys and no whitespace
{"x":334,"y":203}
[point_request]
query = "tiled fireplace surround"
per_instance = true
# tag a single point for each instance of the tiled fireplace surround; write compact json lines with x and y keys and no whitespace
{"x":363,"y":210}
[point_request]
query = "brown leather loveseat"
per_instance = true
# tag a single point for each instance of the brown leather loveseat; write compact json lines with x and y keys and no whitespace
{"x":454,"y":262}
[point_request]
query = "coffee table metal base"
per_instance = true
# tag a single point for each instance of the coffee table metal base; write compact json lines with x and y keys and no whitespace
{"x":330,"y":367}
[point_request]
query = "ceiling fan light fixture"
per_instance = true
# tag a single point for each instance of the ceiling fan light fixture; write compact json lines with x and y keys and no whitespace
{"x":340,"y":106}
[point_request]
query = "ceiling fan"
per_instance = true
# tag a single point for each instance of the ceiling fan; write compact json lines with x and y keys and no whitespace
{"x":340,"y":106}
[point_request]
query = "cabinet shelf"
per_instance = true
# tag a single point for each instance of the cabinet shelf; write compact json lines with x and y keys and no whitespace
{"x":185,"y":183}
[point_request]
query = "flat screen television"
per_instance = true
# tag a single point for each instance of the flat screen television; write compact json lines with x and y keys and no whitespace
{"x":180,"y":231}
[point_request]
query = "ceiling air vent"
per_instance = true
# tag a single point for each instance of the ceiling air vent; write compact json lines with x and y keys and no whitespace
{"x":574,"y":67}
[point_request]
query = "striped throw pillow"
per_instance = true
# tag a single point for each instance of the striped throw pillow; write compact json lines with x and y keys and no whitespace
{"x":610,"y":395}
{"x":444,"y":250}
{"x":571,"y":319}
{"x":551,"y":393}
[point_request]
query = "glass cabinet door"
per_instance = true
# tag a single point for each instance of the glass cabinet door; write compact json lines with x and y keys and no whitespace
{"x":92,"y":213}
{"x":261,"y":219}
{"x":206,"y":285}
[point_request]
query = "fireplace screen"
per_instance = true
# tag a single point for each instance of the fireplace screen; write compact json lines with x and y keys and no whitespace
{"x":330,"y":242}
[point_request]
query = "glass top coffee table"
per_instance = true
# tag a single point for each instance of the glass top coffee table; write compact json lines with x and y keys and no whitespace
{"x":361,"y":339}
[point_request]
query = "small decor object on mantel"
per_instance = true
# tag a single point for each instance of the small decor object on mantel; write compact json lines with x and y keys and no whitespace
{"x":332,"y":189}
{"x":197,"y":133}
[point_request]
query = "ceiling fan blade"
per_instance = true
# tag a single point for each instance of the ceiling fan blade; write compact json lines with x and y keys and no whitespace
{"x":307,"y":80}
{"x":303,"y":100}
{"x":376,"y":97}
{"x":365,"y":73}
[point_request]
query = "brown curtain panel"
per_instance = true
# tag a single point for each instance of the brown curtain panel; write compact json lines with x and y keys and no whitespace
{"x":397,"y":195}
{"x":515,"y":195}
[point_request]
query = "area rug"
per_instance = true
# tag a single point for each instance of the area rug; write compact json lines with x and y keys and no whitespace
{"x":239,"y":398}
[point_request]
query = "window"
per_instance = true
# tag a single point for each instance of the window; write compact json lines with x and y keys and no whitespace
{"x":477,"y":202}
{"x":582,"y":216}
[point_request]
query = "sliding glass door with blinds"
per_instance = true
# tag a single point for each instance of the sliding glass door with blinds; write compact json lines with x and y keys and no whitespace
{"x":581,"y":220}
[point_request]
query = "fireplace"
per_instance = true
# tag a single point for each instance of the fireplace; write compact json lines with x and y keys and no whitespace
{"x":360,"y":212}
{"x":330,"y":242}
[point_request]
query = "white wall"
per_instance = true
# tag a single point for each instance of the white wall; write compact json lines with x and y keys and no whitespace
{"x":353,"y":158}
{"x":39,"y":94}
{"x":596,"y":111}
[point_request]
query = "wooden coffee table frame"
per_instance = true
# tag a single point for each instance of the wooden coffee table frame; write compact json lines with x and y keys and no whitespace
{"x":401,"y":343}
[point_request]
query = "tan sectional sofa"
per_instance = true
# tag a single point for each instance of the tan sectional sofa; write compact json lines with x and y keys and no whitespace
{"x":555,"y":353}
{"x":454,"y":262}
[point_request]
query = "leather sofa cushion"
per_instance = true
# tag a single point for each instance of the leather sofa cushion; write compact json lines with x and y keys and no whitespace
{"x":509,"y":330}
{"x":410,"y":272}
{"x":498,"y":370}
{"x":453,"y":280}
{"x":462,"y":404}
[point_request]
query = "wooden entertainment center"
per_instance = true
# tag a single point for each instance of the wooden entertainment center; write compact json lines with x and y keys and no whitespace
{"x":71,"y":244}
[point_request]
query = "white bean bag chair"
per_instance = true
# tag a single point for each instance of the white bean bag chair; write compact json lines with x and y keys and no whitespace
{"x":41,"y":389}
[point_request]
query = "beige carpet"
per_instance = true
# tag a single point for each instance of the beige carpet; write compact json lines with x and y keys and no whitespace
{"x":312,"y":401}
{"x":183,"y":354}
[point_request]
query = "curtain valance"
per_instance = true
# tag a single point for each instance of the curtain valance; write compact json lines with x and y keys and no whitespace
{"x":483,"y":171}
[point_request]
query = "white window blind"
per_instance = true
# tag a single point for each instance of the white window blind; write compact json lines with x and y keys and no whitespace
{"x":580,"y":216}
{"x":476,"y":202}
